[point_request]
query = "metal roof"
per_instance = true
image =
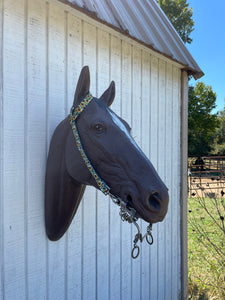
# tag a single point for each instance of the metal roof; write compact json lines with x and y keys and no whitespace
{"x":144,"y":21}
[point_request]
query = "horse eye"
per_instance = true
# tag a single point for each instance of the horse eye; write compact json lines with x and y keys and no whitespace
{"x":99,"y":128}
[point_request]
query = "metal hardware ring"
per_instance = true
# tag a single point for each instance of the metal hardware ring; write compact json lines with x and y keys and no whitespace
{"x":133,"y":250}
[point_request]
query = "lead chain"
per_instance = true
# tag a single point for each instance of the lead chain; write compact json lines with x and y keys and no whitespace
{"x":130,"y":215}
{"x":148,"y":236}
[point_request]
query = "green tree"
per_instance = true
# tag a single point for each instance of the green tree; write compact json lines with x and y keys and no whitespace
{"x":180,"y":15}
{"x":202,"y":124}
{"x":220,"y":133}
{"x":219,"y":139}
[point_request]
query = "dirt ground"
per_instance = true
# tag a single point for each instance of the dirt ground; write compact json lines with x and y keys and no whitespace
{"x":208,"y":186}
{"x":208,"y":178}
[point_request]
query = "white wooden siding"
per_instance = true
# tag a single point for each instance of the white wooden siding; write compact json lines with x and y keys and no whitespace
{"x":44,"y":46}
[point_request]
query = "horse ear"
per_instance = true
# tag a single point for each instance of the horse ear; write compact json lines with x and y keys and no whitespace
{"x":83,"y":86}
{"x":109,"y":95}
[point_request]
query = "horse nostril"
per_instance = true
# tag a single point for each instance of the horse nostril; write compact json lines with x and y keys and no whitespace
{"x":154,"y":201}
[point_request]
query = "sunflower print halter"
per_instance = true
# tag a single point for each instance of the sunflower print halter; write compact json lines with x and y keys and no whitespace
{"x":74,"y":113}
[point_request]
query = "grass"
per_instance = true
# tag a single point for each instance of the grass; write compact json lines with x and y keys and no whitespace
{"x":206,"y":248}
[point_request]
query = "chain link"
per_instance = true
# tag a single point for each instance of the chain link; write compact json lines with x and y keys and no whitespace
{"x":130,"y":215}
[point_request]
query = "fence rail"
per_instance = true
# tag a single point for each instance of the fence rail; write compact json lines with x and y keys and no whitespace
{"x":206,"y":176}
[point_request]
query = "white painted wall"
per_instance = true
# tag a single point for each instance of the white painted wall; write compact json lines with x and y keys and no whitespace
{"x":44,"y":46}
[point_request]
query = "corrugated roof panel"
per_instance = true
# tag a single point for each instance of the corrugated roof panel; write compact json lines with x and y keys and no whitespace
{"x":146,"y":22}
{"x":163,"y":31}
{"x":102,"y":8}
{"x":144,"y":16}
{"x":169,"y":32}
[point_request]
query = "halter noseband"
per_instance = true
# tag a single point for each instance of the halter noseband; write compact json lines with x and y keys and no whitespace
{"x":126,"y":213}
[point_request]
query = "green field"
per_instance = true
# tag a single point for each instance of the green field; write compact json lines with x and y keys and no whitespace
{"x":206,"y":248}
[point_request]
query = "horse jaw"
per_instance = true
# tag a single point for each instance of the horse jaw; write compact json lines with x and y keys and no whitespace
{"x":62,"y":193}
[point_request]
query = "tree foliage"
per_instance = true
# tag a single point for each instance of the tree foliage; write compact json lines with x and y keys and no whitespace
{"x":219,"y":138}
{"x":180,"y":15}
{"x":202,"y":124}
{"x":220,"y":132}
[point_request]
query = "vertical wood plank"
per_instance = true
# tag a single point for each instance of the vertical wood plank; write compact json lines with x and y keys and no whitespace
{"x":89,"y":53}
{"x":136,"y":133}
{"x":102,"y":201}
{"x":126,"y":280}
{"x":74,"y":251}
{"x":176,"y":184}
{"x":115,"y":222}
{"x":56,"y":113}
{"x":145,"y":113}
{"x":13,"y":151}
{"x":89,"y":200}
{"x":161,"y":170}
{"x":184,"y":187}
{"x":1,"y":158}
{"x":36,"y":148}
{"x":154,"y":112}
{"x":169,"y":175}
{"x":154,"y":160}
{"x":74,"y":56}
{"x":145,"y":142}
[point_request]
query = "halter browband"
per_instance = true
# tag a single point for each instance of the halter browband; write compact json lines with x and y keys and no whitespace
{"x":126,"y":213}
{"x":74,"y":113}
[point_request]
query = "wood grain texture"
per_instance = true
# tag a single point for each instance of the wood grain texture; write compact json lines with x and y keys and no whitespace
{"x":154,"y":159}
{"x":126,"y":111}
{"x":175,"y":236}
{"x":102,"y":225}
{"x":168,"y":181}
{"x":75,"y":238}
{"x":115,"y":246}
{"x":1,"y":157}
{"x":35,"y":148}
{"x":56,"y":112}
{"x":89,"y":271}
{"x":184,"y":188}
{"x":145,"y":144}
{"x":40,"y":66}
{"x":136,"y":106}
{"x":14,"y":151}
{"x":161,"y":169}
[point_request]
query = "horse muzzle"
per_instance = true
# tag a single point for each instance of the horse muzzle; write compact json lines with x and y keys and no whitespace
{"x":157,"y":206}
{"x":151,"y":206}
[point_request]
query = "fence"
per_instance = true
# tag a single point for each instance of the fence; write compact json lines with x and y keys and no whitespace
{"x":206,"y":176}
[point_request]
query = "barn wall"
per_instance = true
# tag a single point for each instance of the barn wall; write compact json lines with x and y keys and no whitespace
{"x":44,"y":46}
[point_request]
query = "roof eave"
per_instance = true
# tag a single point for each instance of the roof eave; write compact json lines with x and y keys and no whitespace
{"x":196,"y":73}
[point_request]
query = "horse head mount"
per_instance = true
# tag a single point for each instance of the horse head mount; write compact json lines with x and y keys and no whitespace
{"x":93,"y":146}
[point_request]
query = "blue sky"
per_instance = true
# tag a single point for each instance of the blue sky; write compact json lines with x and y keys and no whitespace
{"x":208,"y":45}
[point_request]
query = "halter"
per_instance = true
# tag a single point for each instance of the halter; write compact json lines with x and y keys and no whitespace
{"x":126,"y":213}
{"x":74,"y":113}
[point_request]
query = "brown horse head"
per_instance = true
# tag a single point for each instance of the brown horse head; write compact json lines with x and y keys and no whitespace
{"x":114,"y":155}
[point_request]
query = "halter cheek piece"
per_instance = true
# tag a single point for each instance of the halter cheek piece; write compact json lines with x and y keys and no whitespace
{"x":126,"y":213}
{"x":74,"y":113}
